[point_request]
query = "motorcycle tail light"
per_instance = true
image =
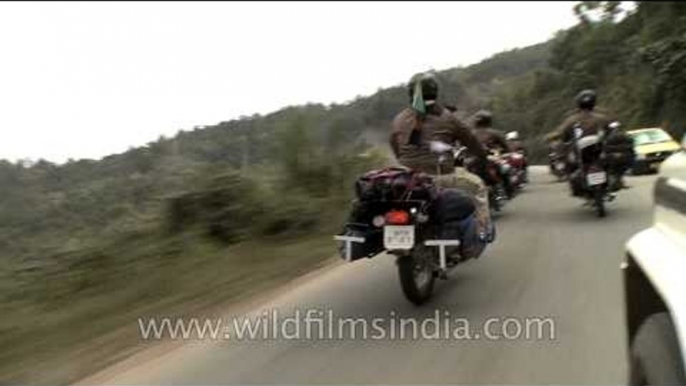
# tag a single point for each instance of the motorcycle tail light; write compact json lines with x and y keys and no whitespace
{"x":397,"y":217}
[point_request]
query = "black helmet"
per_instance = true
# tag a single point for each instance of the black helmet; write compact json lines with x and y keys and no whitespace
{"x":586,"y":100}
{"x":429,"y":86}
{"x":483,"y":118}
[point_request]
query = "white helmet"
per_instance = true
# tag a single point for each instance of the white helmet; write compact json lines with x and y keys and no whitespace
{"x":512,"y":136}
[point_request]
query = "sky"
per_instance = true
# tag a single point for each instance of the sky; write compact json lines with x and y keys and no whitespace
{"x":85,"y":80}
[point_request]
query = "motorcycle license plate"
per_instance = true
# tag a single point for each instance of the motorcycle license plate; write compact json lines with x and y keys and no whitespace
{"x":398,"y":237}
{"x":597,"y":178}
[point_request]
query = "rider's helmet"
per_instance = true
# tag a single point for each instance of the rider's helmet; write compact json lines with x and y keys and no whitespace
{"x":483,"y":118}
{"x":512,"y":136}
{"x":423,"y":90}
{"x":586,"y":99}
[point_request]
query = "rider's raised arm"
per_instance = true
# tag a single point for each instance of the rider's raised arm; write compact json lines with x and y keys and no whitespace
{"x":562,"y":132}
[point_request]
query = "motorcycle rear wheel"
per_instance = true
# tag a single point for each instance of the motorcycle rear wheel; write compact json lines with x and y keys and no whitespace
{"x":599,"y":201}
{"x":416,"y":279}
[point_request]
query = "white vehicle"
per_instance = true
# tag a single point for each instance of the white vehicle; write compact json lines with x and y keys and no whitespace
{"x":655,"y":283}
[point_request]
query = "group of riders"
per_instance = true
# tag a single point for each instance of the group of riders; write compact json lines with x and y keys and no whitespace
{"x":426,"y":120}
{"x":434,"y":212}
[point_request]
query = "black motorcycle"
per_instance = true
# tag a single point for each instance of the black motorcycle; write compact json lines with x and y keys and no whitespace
{"x":556,"y":162}
{"x":590,"y":179}
{"x":429,"y":229}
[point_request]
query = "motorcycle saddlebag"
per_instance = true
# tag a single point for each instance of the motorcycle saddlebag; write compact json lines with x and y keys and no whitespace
{"x":455,"y":213}
{"x":619,"y":151}
{"x":372,"y":245}
{"x":465,"y":230}
{"x":452,"y":205}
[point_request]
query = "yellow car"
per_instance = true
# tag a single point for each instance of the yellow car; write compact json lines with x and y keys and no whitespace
{"x":652,"y":146}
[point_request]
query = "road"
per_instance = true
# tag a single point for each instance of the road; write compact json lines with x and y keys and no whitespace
{"x":553,"y":258}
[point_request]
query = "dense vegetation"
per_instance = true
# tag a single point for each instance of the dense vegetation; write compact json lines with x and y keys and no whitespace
{"x":274,"y":169}
{"x":637,"y":66}
{"x":93,"y":239}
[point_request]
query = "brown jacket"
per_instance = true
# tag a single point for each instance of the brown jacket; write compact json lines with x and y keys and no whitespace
{"x":591,"y":122}
{"x":410,"y":137}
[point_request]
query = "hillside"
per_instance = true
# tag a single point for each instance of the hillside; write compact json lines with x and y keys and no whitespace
{"x":101,"y":239}
{"x":107,"y":193}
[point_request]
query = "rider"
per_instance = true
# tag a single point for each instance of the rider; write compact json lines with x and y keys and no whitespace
{"x":427,"y":120}
{"x":493,"y":140}
{"x":586,"y":119}
{"x":515,"y":145}
{"x":489,"y":137}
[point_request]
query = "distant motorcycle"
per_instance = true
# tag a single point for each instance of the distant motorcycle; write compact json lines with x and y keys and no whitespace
{"x":513,"y":171}
{"x":516,"y":157}
{"x":429,"y":229}
{"x":556,"y":163}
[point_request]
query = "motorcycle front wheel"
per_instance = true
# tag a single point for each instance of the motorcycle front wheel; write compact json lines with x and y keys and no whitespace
{"x":416,"y":279}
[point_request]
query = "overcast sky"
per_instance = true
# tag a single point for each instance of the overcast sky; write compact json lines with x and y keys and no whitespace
{"x":84,"y":80}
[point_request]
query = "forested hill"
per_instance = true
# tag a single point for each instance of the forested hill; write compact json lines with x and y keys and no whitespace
{"x":45,"y":198}
{"x":240,"y":141}
{"x":637,"y":65}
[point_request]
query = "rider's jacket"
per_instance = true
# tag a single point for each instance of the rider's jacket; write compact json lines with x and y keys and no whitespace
{"x":589,"y":122}
{"x":411,"y":135}
{"x":492,"y":138}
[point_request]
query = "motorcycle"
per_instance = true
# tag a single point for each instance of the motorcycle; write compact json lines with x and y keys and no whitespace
{"x":590,"y":180}
{"x":556,"y":162}
{"x":513,"y":171}
{"x":497,"y":193}
{"x":429,"y":230}
{"x":516,"y":156}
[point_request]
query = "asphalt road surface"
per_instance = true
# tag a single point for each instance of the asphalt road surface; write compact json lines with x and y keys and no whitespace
{"x":553,"y":258}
